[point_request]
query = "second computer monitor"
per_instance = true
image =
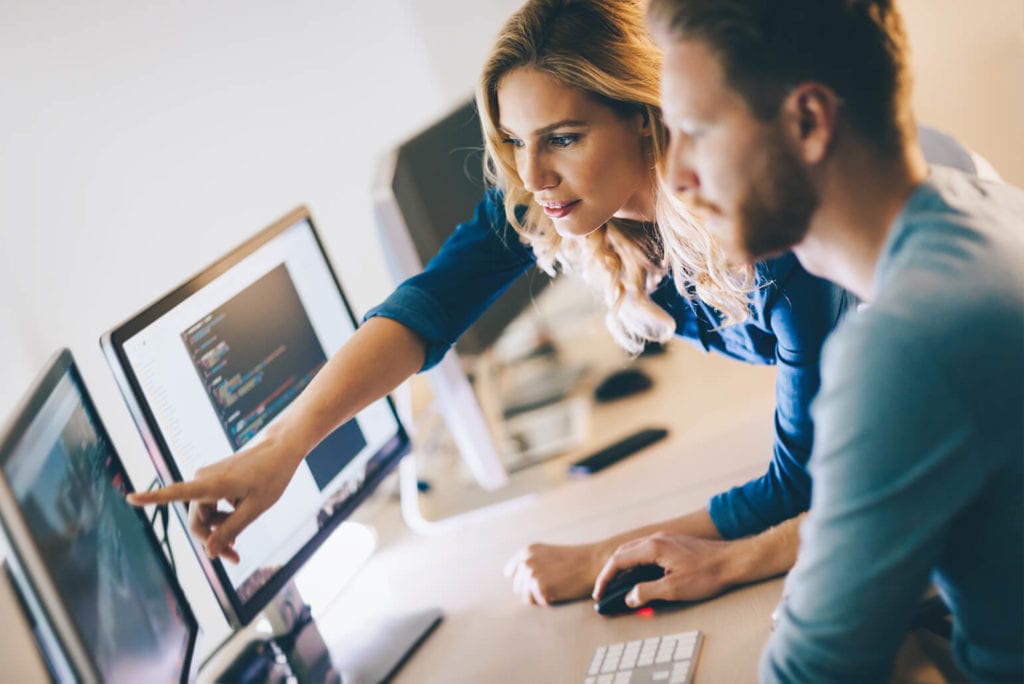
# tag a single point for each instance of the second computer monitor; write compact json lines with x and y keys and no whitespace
{"x":209,"y":366}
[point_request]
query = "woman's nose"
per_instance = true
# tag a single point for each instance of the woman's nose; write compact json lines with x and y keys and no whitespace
{"x":535,"y":172}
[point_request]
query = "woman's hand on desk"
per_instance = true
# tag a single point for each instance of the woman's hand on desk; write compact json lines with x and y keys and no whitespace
{"x":250,"y":481}
{"x":543,"y":574}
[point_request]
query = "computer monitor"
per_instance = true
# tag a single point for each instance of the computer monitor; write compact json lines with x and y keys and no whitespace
{"x":95,"y":585}
{"x":436,"y":180}
{"x":427,"y":185}
{"x":208,"y":366}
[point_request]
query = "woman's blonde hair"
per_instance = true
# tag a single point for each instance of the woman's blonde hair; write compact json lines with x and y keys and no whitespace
{"x":602,"y":48}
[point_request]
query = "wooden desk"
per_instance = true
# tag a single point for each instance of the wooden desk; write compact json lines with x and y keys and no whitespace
{"x":720,"y":438}
{"x":720,"y":413}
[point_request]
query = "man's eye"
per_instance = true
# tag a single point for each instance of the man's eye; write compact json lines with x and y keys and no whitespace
{"x":513,"y":142}
{"x":563,"y":140}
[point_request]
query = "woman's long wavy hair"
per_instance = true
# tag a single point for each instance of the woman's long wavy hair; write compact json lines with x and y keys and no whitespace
{"x":602,"y":48}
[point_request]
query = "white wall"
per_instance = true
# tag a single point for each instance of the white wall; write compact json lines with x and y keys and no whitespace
{"x":140,"y":140}
{"x":968,"y":59}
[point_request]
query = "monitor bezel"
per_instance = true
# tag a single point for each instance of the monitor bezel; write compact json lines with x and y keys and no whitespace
{"x":30,"y":574}
{"x":238,"y":613}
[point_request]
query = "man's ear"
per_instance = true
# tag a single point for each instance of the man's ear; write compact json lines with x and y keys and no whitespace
{"x":810,"y":114}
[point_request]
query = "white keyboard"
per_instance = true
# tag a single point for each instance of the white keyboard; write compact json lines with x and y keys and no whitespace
{"x":668,"y":659}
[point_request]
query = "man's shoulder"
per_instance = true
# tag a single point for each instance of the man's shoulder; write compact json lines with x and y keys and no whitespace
{"x":956,"y":253}
{"x":905,"y":331}
{"x":953,"y":327}
{"x":873,"y":335}
{"x":953,"y":198}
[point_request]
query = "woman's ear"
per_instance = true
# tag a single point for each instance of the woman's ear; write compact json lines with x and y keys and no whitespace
{"x":644,"y":124}
{"x":810,"y":113}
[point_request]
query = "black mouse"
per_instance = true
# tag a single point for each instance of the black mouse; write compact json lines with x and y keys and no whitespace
{"x":621,"y":384}
{"x":613,"y":600}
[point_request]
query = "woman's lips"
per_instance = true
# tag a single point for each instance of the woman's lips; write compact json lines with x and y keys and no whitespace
{"x":557,"y":210}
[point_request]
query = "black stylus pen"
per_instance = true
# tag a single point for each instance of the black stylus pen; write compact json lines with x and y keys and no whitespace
{"x":616,"y":452}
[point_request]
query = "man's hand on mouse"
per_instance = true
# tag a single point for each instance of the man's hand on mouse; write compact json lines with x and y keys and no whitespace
{"x":695,"y":568}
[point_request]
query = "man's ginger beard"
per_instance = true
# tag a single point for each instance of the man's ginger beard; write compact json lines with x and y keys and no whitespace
{"x":776,"y":211}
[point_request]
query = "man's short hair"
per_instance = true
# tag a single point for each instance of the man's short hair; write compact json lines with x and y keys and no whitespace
{"x":858,"y":48}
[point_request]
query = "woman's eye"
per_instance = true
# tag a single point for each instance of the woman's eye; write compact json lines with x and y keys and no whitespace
{"x":563,"y":140}
{"x":513,"y":142}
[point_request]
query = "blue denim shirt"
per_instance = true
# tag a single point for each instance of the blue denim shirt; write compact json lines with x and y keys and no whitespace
{"x":792,"y":312}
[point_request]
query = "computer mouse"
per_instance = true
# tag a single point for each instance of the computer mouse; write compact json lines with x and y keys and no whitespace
{"x":621,"y":384}
{"x":613,"y":600}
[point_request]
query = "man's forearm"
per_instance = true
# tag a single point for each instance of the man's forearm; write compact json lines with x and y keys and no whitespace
{"x":770,"y":553}
{"x":695,"y":524}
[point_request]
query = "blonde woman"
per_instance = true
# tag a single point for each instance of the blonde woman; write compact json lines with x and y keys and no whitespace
{"x":574,"y":143}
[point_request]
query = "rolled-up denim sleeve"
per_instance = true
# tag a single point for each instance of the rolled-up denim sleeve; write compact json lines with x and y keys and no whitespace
{"x":801,"y":311}
{"x":474,"y":267}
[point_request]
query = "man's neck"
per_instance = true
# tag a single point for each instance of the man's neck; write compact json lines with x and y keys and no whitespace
{"x":861,"y":194}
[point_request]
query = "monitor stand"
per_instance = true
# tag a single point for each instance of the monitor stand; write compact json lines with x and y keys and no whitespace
{"x":370,"y":651}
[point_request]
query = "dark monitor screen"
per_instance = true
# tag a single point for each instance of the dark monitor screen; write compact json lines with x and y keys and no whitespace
{"x":437,"y":182}
{"x":211,"y":364}
{"x":88,"y":566}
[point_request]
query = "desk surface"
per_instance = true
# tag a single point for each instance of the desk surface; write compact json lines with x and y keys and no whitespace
{"x":488,"y":635}
{"x":720,"y":416}
{"x":720,"y":437}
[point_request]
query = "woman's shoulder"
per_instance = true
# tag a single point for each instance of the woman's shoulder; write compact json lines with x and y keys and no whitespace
{"x":778,"y":270}
{"x":493,"y":204}
{"x":784,"y":275}
{"x":797,"y":304}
